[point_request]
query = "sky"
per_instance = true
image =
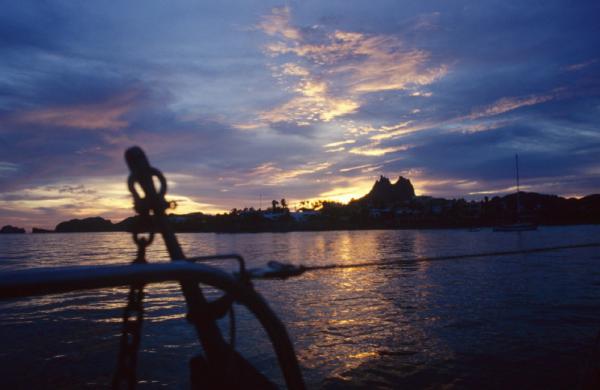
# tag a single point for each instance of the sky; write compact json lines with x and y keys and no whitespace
{"x":241,"y":102}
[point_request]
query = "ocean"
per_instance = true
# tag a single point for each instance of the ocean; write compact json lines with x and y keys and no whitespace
{"x":518,"y":321}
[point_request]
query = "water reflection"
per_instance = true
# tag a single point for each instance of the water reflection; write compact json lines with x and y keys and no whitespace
{"x":416,"y":324}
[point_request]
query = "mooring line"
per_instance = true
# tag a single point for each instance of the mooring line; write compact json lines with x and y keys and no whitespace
{"x":278,"y":270}
{"x":452,"y":257}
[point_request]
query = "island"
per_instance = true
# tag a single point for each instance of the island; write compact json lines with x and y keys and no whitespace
{"x":9,"y":229}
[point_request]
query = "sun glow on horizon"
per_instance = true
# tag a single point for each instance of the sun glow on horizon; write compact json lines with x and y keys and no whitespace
{"x":355,"y":189}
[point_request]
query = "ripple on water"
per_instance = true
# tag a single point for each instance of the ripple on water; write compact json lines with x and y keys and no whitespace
{"x":419,"y":324}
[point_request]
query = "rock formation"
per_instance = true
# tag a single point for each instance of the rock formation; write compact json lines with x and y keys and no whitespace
{"x":385,"y":194}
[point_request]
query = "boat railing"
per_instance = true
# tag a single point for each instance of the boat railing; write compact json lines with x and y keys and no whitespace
{"x":56,"y":280}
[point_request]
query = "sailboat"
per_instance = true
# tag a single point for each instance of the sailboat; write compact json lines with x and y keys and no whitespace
{"x":520,"y":225}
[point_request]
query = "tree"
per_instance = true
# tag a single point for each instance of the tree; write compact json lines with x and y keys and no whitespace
{"x":283,"y":203}
{"x":317,"y":204}
{"x":274,"y":203}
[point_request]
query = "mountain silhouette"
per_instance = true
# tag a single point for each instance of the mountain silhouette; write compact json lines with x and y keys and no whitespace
{"x":385,"y":194}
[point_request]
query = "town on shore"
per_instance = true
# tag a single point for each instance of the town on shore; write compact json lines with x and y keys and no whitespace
{"x":387,"y":206}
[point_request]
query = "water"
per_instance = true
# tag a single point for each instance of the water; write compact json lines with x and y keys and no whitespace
{"x":526,"y":321}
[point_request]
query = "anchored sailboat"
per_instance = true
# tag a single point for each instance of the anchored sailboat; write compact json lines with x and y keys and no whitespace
{"x":519,"y":225}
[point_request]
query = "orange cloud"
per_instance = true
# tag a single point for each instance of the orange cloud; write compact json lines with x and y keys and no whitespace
{"x":105,"y":115}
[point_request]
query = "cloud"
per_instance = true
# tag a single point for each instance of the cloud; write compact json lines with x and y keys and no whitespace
{"x":509,"y":104}
{"x":73,"y":189}
{"x":7,"y":168}
{"x":278,"y":23}
{"x":104,"y":196}
{"x":291,"y":69}
{"x":103,"y":115}
{"x":363,"y":168}
{"x":482,"y":126}
{"x":312,"y":105}
{"x":375,"y":150}
{"x":270,"y":174}
{"x":338,"y":68}
{"x":398,"y":129}
{"x":382,"y":63}
{"x":339,"y":143}
{"x":247,"y":126}
{"x":579,"y":66}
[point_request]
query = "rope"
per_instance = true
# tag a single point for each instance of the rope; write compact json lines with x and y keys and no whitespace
{"x":279,"y":270}
{"x":454,"y":257}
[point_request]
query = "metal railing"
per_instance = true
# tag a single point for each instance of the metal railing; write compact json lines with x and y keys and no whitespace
{"x":56,"y":280}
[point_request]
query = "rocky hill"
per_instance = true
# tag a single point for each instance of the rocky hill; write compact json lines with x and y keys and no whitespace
{"x":385,"y":194}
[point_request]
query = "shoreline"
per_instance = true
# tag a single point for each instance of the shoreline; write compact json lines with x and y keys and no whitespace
{"x":332,"y":229}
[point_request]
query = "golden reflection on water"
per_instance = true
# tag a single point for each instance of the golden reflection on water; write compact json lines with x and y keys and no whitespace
{"x":344,"y":315}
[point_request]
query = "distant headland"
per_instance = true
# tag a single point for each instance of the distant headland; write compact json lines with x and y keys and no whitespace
{"x":9,"y":229}
{"x":387,"y":206}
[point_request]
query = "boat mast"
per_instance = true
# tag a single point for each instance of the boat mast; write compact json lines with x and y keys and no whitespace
{"x":517,"y":164}
{"x":518,"y":189}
